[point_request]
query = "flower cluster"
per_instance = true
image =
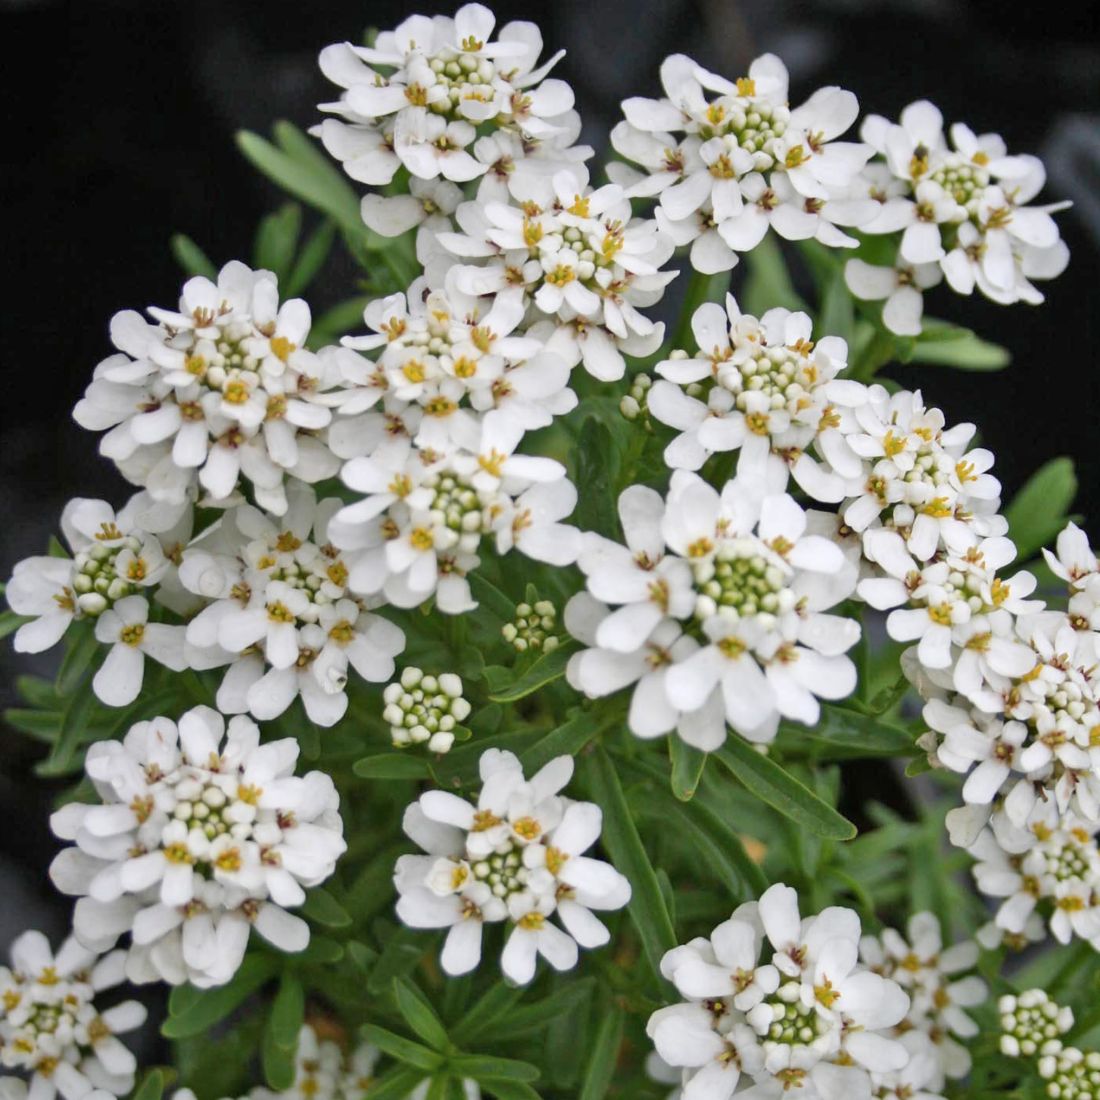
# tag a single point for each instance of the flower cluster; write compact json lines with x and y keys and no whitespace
{"x":533,"y":627}
{"x":51,"y":1033}
{"x":419,"y":95}
{"x":281,"y":612}
{"x":424,"y":710}
{"x":201,"y":833}
{"x":727,"y":160}
{"x":809,"y":1021}
{"x":1032,"y":1026}
{"x":515,"y":855}
{"x":115,"y":565}
{"x":959,"y":206}
{"x":939,"y":988}
{"x":722,"y":613}
{"x":220,"y":387}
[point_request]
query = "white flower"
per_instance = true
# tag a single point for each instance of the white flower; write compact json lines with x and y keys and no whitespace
{"x":127,"y":630}
{"x":201,"y":834}
{"x":50,"y":1028}
{"x":574,"y":255}
{"x":938,"y":986}
{"x":762,"y":388}
{"x":221,"y":388}
{"x":443,"y":78}
{"x":281,"y":612}
{"x":901,"y":287}
{"x":727,"y":159}
{"x":113,"y":558}
{"x":517,"y":856}
{"x":751,"y":582}
{"x":424,"y":709}
{"x":1054,"y":861}
{"x":812,"y":1018}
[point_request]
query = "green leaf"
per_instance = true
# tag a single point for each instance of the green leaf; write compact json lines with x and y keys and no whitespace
{"x":287,"y":1012}
{"x":419,"y":1014}
{"x":314,"y":182}
{"x":396,"y":1084}
{"x":531,"y":1018}
{"x":594,"y":459}
{"x":191,"y":258}
{"x":278,"y":1062}
{"x":603,"y":1057}
{"x":952,"y":346}
{"x":151,"y":1087}
{"x":81,"y":648}
{"x":492,"y":1007}
{"x":1038,"y":511}
{"x":322,"y":908}
{"x":43,"y":725}
{"x":495,"y":600}
{"x":336,"y":322}
{"x":482,"y":1066}
{"x":277,"y":239}
{"x":403,"y":1050}
{"x":865,"y":732}
{"x":10,"y":622}
{"x":768,"y":283}
{"x":504,"y":1089}
{"x":310,"y":260}
{"x":620,"y":838}
{"x":837,"y":314}
{"x":779,"y":789}
{"x":392,"y":765}
{"x":402,"y":951}
{"x":727,"y":842}
{"x":548,"y":668}
{"x":566,"y":740}
{"x":687,"y":767}
{"x":215,"y":1004}
{"x":73,"y":724}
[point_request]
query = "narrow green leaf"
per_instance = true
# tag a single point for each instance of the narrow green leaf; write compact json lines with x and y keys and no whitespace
{"x":730,"y":844}
{"x":865,"y":732}
{"x":81,"y":648}
{"x":620,"y":838}
{"x":1038,"y":511}
{"x":768,"y":283}
{"x":837,"y":314}
{"x":277,"y":240}
{"x":566,"y":740}
{"x":547,"y":669}
{"x":687,"y":767}
{"x":215,"y":1004}
{"x":764,"y":778}
{"x":505,"y":1089}
{"x":419,"y":1014}
{"x":603,"y":1056}
{"x":182,"y":998}
{"x":287,"y":1012}
{"x":404,"y":1050}
{"x":481,"y":1066}
{"x":37,"y":691}
{"x":392,"y":765}
{"x":42,"y":725}
{"x":191,"y":258}
{"x":322,"y":908}
{"x":531,"y":1018}
{"x":72,"y":728}
{"x":10,"y":622}
{"x":310,"y":260}
{"x":492,"y":1007}
{"x":341,"y":319}
{"x":594,"y":454}
{"x":488,"y":593}
{"x":151,"y":1087}
{"x":326,"y":190}
{"x":277,"y":1062}
{"x":397,"y":1083}
{"x":962,"y":350}
{"x":403,"y":950}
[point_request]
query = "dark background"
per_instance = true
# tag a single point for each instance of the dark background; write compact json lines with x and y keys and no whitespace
{"x":120,"y":117}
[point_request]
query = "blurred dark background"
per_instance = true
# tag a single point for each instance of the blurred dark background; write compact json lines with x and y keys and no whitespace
{"x":119,"y":126}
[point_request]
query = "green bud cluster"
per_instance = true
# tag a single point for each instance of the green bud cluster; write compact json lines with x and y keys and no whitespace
{"x":533,"y":627}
